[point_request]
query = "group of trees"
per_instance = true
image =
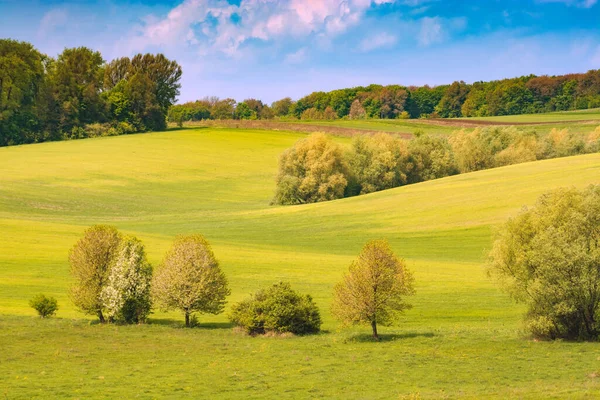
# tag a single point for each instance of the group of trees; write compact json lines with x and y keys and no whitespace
{"x":79,"y":95}
{"x":114,"y":281}
{"x":526,"y":94}
{"x":319,"y":169}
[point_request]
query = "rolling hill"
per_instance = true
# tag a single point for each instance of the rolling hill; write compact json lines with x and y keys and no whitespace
{"x":219,"y":182}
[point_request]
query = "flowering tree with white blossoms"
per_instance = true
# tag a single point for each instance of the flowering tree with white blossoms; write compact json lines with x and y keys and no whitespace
{"x":126,"y":297}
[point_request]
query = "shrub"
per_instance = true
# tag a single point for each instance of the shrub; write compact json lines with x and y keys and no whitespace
{"x":277,"y":309}
{"x":430,"y":157}
{"x":90,"y":260}
{"x":311,"y":171}
{"x":126,"y":295}
{"x":190,"y":279}
{"x":592,"y":144}
{"x":521,"y":149}
{"x":377,"y":162}
{"x":373,"y":291}
{"x":547,"y":257}
{"x":471,"y":151}
{"x":45,"y":306}
{"x":560,"y":143}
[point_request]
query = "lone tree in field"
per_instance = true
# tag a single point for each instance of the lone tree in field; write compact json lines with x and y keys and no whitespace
{"x":373,"y":291}
{"x":190,"y":279}
{"x":548,"y":257}
{"x":91,"y":259}
{"x":126,"y":296}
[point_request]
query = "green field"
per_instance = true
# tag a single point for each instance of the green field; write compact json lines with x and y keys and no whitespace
{"x":463,"y":338}
{"x":563,"y":116}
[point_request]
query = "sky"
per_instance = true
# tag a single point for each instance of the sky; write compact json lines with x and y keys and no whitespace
{"x":270,"y":49}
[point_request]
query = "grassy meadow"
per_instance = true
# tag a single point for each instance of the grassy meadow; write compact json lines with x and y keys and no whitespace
{"x":462,"y":339}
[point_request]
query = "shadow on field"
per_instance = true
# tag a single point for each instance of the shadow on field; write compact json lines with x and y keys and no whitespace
{"x":185,"y":128}
{"x":180,"y":324}
{"x":390,"y":337}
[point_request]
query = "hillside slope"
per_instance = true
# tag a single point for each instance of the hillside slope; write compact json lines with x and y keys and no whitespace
{"x":462,"y":339}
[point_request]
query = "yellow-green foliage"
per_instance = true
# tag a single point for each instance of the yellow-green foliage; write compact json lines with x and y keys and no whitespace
{"x":374,"y":290}
{"x":547,"y":257}
{"x":378,"y":162}
{"x":471,"y":151}
{"x":560,"y":143}
{"x":311,"y":171}
{"x":430,"y":157}
{"x":592,"y":144}
{"x":190,"y":279}
{"x":521,"y":149}
{"x":91,"y":259}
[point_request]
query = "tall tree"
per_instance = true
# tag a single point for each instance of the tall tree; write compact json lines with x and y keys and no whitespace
{"x":76,"y":79}
{"x":90,"y":260}
{"x":373,"y":291}
{"x":164,"y":73}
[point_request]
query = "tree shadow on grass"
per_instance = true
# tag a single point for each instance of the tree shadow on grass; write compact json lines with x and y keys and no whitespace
{"x":185,"y":128}
{"x":181,"y":324}
{"x":389,"y":337}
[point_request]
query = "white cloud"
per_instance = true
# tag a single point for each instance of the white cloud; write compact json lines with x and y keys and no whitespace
{"x":53,"y":19}
{"x":431,"y":31}
{"x":377,"y":41}
{"x":574,"y":3}
{"x":296,"y":57}
{"x":209,"y":24}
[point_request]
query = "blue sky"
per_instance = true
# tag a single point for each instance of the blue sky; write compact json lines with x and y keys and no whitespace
{"x":270,"y":49}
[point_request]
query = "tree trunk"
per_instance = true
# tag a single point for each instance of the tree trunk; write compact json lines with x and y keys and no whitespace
{"x":187,"y":319}
{"x":374,"y":326}
{"x":101,"y":317}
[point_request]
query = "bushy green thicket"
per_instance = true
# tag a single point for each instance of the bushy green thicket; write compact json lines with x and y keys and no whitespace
{"x":44,"y":305}
{"x":79,"y":95}
{"x":277,"y":309}
{"x":547,"y":258}
{"x":315,"y":169}
{"x":318,"y":169}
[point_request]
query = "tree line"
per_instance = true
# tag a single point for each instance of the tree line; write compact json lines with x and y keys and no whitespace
{"x":78,"y":94}
{"x":523,"y":95}
{"x":318,"y":169}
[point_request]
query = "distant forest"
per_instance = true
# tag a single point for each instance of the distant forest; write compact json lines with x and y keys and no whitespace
{"x":525,"y":95}
{"x":79,"y":95}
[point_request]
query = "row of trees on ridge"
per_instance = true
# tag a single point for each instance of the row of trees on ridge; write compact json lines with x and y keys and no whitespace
{"x":319,"y":169}
{"x":522,"y":95}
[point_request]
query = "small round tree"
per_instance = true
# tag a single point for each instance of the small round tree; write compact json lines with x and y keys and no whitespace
{"x":90,"y":261}
{"x":45,"y":306}
{"x":548,"y":258}
{"x":277,"y":309}
{"x":373,"y":291}
{"x":190,"y":279}
{"x":126,"y":296}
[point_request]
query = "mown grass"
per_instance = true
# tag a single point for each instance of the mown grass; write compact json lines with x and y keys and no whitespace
{"x":571,"y":116}
{"x":462,"y":339}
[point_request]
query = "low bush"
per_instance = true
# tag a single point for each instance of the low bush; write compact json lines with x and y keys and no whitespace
{"x":45,"y":306}
{"x":277,"y":309}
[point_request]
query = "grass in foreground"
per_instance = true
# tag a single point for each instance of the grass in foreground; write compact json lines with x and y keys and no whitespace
{"x":461,"y":339}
